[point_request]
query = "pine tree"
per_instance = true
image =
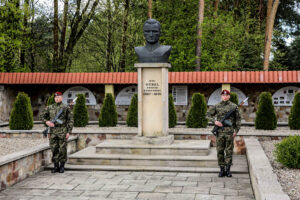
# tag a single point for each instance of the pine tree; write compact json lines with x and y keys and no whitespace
{"x":108,"y":114}
{"x":21,"y":116}
{"x":294,"y":117}
{"x":265,"y":116}
{"x":172,"y":112}
{"x":234,"y":98}
{"x":132,"y":115}
{"x":81,"y":117}
{"x":50,"y":100}
{"x":196,"y":117}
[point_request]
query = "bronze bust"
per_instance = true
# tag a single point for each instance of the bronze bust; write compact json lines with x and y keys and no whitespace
{"x":153,"y":52}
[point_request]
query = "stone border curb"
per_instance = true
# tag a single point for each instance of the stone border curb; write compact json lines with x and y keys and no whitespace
{"x":264,"y":181}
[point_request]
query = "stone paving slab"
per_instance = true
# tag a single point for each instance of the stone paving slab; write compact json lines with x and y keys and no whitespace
{"x":114,"y":185}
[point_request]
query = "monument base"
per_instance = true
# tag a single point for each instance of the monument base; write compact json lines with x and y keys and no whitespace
{"x":161,"y":140}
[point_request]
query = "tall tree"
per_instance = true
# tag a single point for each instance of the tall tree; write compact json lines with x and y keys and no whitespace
{"x":271,"y":13}
{"x":79,"y":23}
{"x":199,"y":34}
{"x":55,"y":37}
{"x":124,"y":37}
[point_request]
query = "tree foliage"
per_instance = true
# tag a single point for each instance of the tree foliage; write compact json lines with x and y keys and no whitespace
{"x":294,"y":117}
{"x":288,"y":152}
{"x":108,"y":114}
{"x":21,"y":116}
{"x":81,"y":117}
{"x":196,"y":117}
{"x":265,"y":116}
{"x":50,"y":100}
{"x":172,"y":112}
{"x":234,"y":98}
{"x":132,"y":115}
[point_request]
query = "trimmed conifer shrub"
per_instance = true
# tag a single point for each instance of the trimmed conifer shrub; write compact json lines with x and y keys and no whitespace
{"x":172,"y":112}
{"x":288,"y":152}
{"x":50,"y":100}
{"x":108,"y":114}
{"x":265,"y":116}
{"x":80,"y":111}
{"x":21,"y":116}
{"x":294,"y":117}
{"x":132,"y":115}
{"x":196,"y":117}
{"x":234,"y":98}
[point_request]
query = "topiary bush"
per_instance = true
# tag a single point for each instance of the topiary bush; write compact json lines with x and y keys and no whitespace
{"x":132,"y":115}
{"x":234,"y":98}
{"x":265,"y":116}
{"x":196,"y":116}
{"x":172,"y":112}
{"x":50,"y":100}
{"x":21,"y":116}
{"x":294,"y":117}
{"x":288,"y":152}
{"x":108,"y":114}
{"x":80,"y":111}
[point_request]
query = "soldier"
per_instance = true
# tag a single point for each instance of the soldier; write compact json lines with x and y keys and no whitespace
{"x":59,"y":132}
{"x":227,"y":133}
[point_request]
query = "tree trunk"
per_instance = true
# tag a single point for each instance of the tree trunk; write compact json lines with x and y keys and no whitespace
{"x":149,"y":9}
{"x":269,"y":10}
{"x":216,"y":7}
{"x":124,"y":37}
{"x":109,"y":38}
{"x":25,"y":34}
{"x":63,"y":33}
{"x":269,"y":31}
{"x":199,"y":34}
{"x":55,"y":38}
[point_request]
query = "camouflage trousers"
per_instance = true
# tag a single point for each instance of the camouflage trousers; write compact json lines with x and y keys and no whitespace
{"x":224,"y":148}
{"x":58,"y":145}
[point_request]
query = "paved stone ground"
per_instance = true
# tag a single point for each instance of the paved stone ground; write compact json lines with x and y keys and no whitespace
{"x":118,"y":185}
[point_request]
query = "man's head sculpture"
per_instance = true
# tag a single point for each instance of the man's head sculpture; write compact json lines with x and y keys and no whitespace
{"x":153,"y":52}
{"x":152,"y":31}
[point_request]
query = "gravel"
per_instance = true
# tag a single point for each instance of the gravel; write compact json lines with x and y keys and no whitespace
{"x":11,"y":145}
{"x":288,"y":178}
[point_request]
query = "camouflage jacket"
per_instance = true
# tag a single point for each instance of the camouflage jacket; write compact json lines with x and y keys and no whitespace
{"x":218,"y":111}
{"x":66,"y":117}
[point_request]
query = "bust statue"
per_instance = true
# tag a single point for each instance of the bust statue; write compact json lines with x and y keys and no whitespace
{"x":153,"y":52}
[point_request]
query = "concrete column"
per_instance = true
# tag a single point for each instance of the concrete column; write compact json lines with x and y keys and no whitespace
{"x":153,"y":112}
{"x":226,"y":86}
{"x":109,"y":89}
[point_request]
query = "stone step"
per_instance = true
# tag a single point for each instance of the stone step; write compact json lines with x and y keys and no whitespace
{"x":234,"y":169}
{"x":88,"y":156}
{"x":182,"y":147}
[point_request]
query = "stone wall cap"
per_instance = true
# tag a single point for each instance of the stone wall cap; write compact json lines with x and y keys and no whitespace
{"x":21,"y":154}
{"x":152,"y":65}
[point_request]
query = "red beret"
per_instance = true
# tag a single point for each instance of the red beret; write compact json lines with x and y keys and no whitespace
{"x":57,"y":94}
{"x":225,"y":92}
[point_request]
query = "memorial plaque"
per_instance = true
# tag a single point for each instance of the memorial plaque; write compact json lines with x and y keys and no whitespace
{"x":152,"y":101}
{"x":284,"y":96}
{"x":180,"y":94}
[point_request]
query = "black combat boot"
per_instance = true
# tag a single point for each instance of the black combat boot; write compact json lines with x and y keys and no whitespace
{"x":56,"y":168}
{"x":222,"y":171}
{"x":228,"y":173}
{"x":62,"y":167}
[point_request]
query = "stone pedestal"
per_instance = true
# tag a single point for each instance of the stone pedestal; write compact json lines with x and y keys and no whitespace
{"x":153,"y":112}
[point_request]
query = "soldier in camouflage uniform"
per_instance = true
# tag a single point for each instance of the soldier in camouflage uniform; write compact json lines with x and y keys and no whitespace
{"x":226,"y":134}
{"x":59,"y":133}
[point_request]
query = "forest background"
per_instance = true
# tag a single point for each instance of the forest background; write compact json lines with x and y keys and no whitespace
{"x":100,"y":35}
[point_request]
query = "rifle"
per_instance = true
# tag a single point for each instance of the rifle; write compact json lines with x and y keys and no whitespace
{"x":224,"y":119}
{"x":56,"y":120}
